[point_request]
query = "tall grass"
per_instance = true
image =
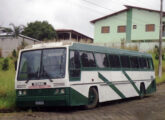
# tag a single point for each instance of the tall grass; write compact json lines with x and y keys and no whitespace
{"x":7,"y":92}
{"x":156,"y":64}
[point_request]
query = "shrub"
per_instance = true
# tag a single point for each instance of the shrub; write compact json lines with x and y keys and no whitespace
{"x":156,"y":51}
{"x":0,"y":52}
{"x":5,"y":65}
{"x":14,"y":53}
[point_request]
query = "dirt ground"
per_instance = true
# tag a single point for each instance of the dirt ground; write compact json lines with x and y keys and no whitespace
{"x":152,"y":107}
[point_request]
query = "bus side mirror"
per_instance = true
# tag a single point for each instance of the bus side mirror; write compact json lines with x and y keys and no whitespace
{"x":15,"y":63}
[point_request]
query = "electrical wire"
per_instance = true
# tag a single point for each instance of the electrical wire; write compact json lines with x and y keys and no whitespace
{"x":140,"y":23}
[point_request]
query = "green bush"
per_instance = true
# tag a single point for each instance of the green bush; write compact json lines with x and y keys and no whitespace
{"x":14,"y":53}
{"x":156,"y":52}
{"x":0,"y":52}
{"x":5,"y":65}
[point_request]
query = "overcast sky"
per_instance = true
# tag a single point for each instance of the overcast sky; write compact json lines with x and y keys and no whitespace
{"x":65,"y":14}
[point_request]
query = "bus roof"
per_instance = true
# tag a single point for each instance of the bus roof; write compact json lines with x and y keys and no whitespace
{"x":87,"y":47}
{"x":103,"y":49}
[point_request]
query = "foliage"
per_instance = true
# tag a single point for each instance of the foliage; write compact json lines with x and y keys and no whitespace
{"x":16,"y":30}
{"x":0,"y":52}
{"x":14,"y":53}
{"x":5,"y":65}
{"x":156,"y":52}
{"x":21,"y":46}
{"x":134,"y":48}
{"x":8,"y":30}
{"x":7,"y":92}
{"x":40,"y":30}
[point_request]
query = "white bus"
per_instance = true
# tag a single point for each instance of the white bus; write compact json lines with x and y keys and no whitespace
{"x":58,"y":74}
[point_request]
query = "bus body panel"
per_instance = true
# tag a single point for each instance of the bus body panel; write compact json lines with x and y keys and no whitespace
{"x":111,"y":84}
{"x":116,"y":78}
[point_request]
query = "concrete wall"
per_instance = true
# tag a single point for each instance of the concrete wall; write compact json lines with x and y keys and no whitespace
{"x":142,"y":47}
{"x":8,"y":44}
{"x":86,"y":40}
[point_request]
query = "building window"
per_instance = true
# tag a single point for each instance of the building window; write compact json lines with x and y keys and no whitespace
{"x":134,"y":26}
{"x":105,"y":29}
{"x":121,"y":29}
{"x":150,"y":27}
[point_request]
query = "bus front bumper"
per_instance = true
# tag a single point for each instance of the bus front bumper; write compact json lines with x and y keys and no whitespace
{"x":34,"y":101}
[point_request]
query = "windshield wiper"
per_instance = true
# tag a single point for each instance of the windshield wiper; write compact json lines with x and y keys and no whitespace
{"x":47,"y":75}
{"x":34,"y":74}
{"x":27,"y":78}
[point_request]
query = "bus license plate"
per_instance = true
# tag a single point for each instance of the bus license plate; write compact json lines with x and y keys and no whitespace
{"x":39,"y":102}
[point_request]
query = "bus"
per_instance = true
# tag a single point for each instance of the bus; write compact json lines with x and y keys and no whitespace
{"x":76,"y":74}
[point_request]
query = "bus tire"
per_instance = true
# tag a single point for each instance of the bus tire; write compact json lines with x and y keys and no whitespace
{"x":92,"y":98}
{"x":142,"y":90}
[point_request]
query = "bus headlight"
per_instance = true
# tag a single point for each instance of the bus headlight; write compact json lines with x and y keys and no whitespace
{"x":24,"y":92}
{"x":62,"y":91}
{"x":20,"y":92}
{"x":57,"y":91}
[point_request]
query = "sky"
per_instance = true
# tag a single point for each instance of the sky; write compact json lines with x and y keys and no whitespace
{"x":65,"y":14}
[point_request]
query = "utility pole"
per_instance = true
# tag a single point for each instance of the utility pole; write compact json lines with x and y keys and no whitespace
{"x":160,"y":40}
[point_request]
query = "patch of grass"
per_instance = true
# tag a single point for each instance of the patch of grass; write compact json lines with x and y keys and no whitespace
{"x":156,"y":64}
{"x":7,"y":91}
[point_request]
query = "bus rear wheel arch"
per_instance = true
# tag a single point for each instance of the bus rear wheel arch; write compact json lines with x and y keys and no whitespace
{"x":142,"y":90}
{"x":93,"y":98}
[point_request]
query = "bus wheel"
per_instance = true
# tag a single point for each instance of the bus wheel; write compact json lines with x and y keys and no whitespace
{"x":92,"y":98}
{"x":142,"y":91}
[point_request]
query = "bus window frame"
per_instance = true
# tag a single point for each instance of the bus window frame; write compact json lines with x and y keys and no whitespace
{"x":99,"y":68}
{"x":74,"y":78}
{"x":114,"y":68}
{"x":88,"y":68}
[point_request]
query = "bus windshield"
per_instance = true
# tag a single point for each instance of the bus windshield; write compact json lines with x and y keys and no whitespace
{"x":42,"y":64}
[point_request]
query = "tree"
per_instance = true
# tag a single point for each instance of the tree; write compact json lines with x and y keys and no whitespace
{"x":16,"y":30}
{"x":40,"y":30}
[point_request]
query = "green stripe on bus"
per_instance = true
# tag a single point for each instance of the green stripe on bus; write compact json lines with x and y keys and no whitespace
{"x":111,"y":85}
{"x":132,"y":82}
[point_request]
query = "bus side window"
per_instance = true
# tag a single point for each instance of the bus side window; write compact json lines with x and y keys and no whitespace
{"x":150,"y":64}
{"x":134,"y":62}
{"x":125,"y":61}
{"x":101,"y":60}
{"x":114,"y":61}
{"x":143,"y":63}
{"x":87,"y":59}
{"x":74,"y":64}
